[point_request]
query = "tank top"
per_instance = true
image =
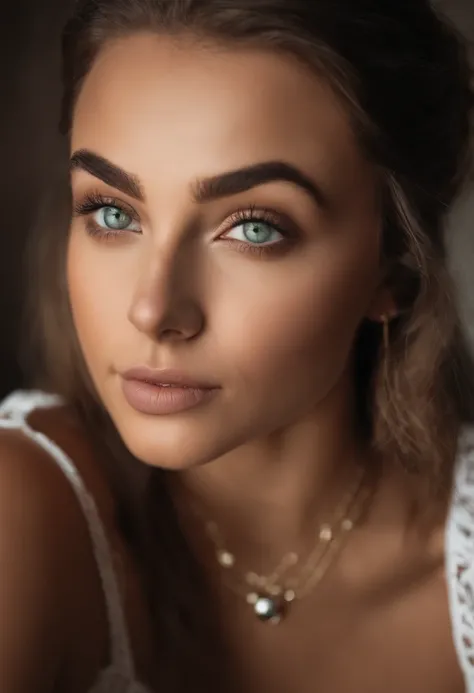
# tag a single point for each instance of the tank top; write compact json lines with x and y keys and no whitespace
{"x":120,"y":677}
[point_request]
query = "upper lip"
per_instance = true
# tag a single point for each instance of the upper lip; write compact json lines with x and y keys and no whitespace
{"x":166,"y":376}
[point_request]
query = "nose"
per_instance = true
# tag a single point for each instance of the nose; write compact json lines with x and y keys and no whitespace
{"x":165,"y":304}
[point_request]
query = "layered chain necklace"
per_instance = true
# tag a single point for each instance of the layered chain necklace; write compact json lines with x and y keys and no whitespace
{"x":270,"y":596}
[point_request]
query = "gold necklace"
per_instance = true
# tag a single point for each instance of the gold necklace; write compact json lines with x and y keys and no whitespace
{"x":270,"y":596}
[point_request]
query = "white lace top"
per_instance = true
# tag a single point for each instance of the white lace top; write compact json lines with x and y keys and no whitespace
{"x":460,"y":557}
{"x":119,"y":676}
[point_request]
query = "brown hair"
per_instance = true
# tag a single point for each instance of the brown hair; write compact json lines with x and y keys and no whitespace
{"x":403,"y":75}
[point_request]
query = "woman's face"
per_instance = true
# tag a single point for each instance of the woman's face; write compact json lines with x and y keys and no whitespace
{"x":225,"y":235}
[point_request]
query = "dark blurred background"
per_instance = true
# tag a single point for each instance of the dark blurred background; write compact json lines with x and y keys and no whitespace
{"x":30,"y":91}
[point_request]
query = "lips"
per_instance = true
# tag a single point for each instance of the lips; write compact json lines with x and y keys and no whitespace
{"x":164,"y":392}
{"x":166,"y":378}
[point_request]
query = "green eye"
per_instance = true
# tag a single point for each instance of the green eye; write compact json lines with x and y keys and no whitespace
{"x":255,"y":233}
{"x":113,"y":218}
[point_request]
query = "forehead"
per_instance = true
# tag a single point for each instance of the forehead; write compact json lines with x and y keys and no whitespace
{"x":162,"y":106}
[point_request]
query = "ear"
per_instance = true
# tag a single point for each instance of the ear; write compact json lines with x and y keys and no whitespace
{"x":382,"y":304}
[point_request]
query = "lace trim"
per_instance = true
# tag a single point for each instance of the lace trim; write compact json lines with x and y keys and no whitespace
{"x":19,"y":404}
{"x":460,"y":557}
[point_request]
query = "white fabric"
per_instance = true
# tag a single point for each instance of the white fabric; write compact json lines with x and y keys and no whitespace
{"x":460,"y":557}
{"x":119,"y":676}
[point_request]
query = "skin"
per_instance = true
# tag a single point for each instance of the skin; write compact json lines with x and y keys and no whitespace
{"x":179,"y":295}
{"x":274,"y":332}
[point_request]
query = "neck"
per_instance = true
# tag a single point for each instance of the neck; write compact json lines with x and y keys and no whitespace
{"x":267,"y":496}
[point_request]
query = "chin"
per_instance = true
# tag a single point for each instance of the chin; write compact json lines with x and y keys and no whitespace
{"x":175,"y":443}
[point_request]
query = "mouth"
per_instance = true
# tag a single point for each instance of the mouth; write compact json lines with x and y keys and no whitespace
{"x":164,"y":392}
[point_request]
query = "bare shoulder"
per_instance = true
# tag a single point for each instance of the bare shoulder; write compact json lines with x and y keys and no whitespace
{"x":41,"y":532}
{"x":34,"y":494}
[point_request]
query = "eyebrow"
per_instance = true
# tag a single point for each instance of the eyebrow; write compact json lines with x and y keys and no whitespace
{"x":106,"y":171}
{"x":206,"y":189}
{"x":249,"y":177}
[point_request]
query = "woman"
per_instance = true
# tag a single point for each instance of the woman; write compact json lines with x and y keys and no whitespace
{"x":262,"y":398}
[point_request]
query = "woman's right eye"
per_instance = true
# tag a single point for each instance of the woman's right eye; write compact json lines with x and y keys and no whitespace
{"x":106,"y":218}
{"x":112,"y":218}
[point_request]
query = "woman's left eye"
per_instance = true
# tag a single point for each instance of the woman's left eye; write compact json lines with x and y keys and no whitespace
{"x":255,"y":232}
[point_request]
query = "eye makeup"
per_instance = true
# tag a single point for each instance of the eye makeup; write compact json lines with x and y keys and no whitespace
{"x":250,"y":219}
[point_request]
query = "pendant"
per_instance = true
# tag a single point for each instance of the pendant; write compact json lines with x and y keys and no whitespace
{"x":266,"y":608}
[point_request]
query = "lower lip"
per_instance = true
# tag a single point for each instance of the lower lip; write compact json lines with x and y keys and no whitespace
{"x":148,"y":398}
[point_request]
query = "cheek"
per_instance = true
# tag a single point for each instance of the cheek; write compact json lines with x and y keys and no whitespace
{"x":295,"y":331}
{"x":96,"y":299}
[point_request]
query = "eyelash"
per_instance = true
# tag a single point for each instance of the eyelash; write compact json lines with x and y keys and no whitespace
{"x":94,"y":201}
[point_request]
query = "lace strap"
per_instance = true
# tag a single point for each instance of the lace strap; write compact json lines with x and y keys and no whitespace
{"x":460,"y":557}
{"x":17,"y":406}
{"x":15,"y":409}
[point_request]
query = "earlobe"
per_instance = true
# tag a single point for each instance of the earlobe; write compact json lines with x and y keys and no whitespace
{"x":383,"y":307}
